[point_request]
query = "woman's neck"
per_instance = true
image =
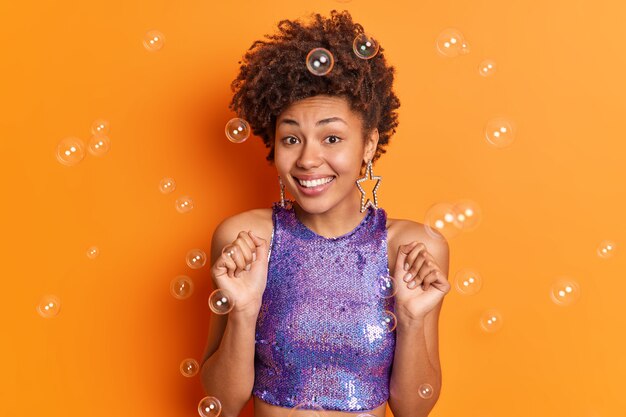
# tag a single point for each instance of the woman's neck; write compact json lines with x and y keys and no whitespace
{"x":336,"y":221}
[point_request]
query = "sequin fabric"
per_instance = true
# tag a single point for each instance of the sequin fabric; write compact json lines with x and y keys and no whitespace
{"x":320,"y":333}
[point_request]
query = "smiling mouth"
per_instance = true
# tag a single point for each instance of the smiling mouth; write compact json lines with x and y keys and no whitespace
{"x":315,"y":183}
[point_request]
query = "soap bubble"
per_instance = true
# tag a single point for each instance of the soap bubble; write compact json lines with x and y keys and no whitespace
{"x":93,"y":252}
{"x":487,"y":68}
{"x":468,"y":282}
{"x":468,"y":214}
{"x":221,"y":301}
{"x":70,"y":151}
{"x":307,"y":409}
{"x":153,"y":40}
{"x":425,"y":391}
{"x":99,"y":145}
{"x":320,"y":61}
{"x":442,"y":221}
{"x":237,"y":130}
{"x":100,"y":127}
{"x":181,"y":287}
{"x":451,"y":43}
{"x":386,"y":286}
{"x":196,"y":258}
{"x":564,"y":291}
{"x":230,"y":250}
{"x":491,"y":320}
{"x":209,"y":407}
{"x":167,"y":185}
{"x":364,"y":46}
{"x":189,"y":367}
{"x":49,"y":306}
{"x":606,"y":249}
{"x":499,"y":132}
{"x":184,"y":204}
{"x":388,"y":320}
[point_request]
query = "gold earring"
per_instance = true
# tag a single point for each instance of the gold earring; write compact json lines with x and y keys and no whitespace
{"x":368,"y":173}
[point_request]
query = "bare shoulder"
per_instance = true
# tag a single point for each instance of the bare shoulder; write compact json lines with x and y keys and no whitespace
{"x":258,"y":220}
{"x":405,"y":231}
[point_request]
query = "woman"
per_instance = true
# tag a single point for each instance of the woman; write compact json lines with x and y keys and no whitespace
{"x":305,"y":274}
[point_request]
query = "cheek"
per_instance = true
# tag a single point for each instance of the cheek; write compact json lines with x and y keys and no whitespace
{"x":344,"y":165}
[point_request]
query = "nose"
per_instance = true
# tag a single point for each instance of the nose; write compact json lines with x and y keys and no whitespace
{"x":309,"y":156}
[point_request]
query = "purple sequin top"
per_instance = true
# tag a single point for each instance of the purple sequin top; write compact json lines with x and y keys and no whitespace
{"x":320,"y":333}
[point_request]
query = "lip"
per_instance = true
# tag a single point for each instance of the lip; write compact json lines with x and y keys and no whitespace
{"x":315,"y":190}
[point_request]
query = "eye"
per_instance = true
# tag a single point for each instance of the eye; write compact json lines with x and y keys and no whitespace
{"x":285,"y":140}
{"x":335,"y":137}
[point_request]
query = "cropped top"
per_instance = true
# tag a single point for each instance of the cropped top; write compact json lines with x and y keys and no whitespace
{"x":320,"y":336}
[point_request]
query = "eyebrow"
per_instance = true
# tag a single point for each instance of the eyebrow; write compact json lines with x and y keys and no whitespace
{"x":319,"y":123}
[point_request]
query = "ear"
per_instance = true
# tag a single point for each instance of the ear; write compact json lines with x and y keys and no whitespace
{"x":370,"y":146}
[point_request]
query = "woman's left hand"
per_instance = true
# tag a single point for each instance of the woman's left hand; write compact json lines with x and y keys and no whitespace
{"x":425,"y":287}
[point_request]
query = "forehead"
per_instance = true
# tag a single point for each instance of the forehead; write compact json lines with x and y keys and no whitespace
{"x":312,"y":109}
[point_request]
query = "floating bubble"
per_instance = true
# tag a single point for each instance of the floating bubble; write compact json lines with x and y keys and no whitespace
{"x":100,"y":127}
{"x":167,"y":185}
{"x":230,"y":250}
{"x":99,"y":145}
{"x":196,"y":258}
{"x":442,"y":221}
{"x":468,"y":282}
{"x":564,"y":291}
{"x":364,"y":46}
{"x":499,"y":132}
{"x":181,"y":287}
{"x":70,"y":151}
{"x":425,"y":391}
{"x":320,"y":61}
{"x":468,"y":214}
{"x":606,"y":249}
{"x":209,"y":407}
{"x":49,"y":306}
{"x":487,"y":68}
{"x":386,"y":286}
{"x":221,"y":301}
{"x":189,"y":367}
{"x":491,"y":320}
{"x":307,"y":409}
{"x":153,"y":40}
{"x":388,"y":320}
{"x":451,"y":43}
{"x":184,"y":204}
{"x":93,"y":252}
{"x":237,"y":130}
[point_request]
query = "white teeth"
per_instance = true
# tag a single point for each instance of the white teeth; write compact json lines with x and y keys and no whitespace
{"x":314,"y":183}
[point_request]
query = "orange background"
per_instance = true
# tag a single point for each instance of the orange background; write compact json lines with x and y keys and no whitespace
{"x":548,"y":200}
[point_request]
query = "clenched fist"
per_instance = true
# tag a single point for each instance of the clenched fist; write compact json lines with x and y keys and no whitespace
{"x":242,"y":270}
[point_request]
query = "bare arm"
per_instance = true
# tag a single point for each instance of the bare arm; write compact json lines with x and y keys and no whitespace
{"x":412,"y":368}
{"x":227,"y":371}
{"x":416,"y":359}
{"x":228,"y":374}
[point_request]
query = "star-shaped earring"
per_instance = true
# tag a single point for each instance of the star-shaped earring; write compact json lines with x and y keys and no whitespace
{"x":368,"y":176}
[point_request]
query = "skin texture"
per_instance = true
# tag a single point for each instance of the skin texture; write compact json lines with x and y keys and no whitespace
{"x":304,"y":146}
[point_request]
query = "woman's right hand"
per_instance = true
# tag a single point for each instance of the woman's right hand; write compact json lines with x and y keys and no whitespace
{"x":241,"y":269}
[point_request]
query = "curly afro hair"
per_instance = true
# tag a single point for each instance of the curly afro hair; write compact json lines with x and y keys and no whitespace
{"x":274,"y":75}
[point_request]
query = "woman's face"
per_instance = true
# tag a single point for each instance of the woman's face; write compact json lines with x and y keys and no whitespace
{"x":321,"y":137}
